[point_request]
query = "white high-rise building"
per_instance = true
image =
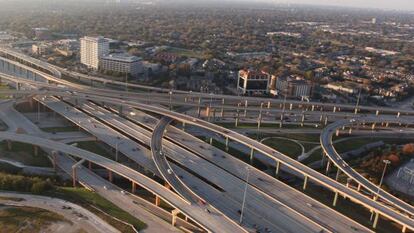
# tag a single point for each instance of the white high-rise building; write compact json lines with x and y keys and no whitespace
{"x":92,"y":49}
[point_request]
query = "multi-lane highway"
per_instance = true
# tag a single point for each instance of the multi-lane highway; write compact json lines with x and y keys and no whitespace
{"x":211,"y":222}
{"x":317,"y":177}
{"x":80,"y":95}
{"x":328,"y":148}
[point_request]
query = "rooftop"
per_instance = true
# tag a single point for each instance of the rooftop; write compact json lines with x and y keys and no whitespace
{"x":122,"y":57}
{"x":95,"y":39}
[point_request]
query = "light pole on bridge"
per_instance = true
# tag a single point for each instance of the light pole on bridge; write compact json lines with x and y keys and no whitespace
{"x":244,"y":195}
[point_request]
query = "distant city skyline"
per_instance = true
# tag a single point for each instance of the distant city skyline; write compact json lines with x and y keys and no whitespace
{"x":384,"y":4}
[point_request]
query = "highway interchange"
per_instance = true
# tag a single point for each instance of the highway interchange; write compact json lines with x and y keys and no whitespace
{"x":192,"y":168}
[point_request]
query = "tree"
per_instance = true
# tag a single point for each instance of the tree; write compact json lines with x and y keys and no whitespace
{"x":408,"y":149}
{"x":39,"y":187}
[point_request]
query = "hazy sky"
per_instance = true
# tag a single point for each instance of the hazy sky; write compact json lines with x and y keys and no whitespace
{"x":387,"y":4}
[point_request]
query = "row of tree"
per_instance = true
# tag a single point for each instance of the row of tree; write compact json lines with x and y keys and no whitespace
{"x":24,"y":184}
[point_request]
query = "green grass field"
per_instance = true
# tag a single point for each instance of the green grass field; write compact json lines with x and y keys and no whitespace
{"x":284,"y":146}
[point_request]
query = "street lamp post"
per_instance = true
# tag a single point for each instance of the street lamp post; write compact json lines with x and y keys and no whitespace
{"x":244,"y":195}
{"x":386,"y":162}
{"x":126,"y":81}
{"x":259,"y":121}
{"x":38,"y":111}
{"x":170,"y":100}
{"x":210,"y":105}
{"x":357,"y":103}
{"x":283,"y":111}
{"x":116,"y":151}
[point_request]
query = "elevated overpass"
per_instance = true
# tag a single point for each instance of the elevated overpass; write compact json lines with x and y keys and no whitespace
{"x":398,"y":211}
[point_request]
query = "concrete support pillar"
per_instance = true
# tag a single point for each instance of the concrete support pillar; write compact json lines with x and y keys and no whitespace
{"x":323,"y":159}
{"x":303,"y":119}
{"x":174,"y":215}
{"x":373,"y":126}
{"x":90,"y":165}
{"x":207,"y":112}
{"x":387,"y":124}
{"x":36,"y":150}
{"x":74,"y":176}
{"x":167,"y":185}
{"x":281,"y":120}
{"x":120,"y":111}
{"x":134,"y":187}
{"x":305,"y":182}
{"x":337,"y":132}
{"x":259,"y":119}
{"x":359,"y":187}
{"x":326,"y":120}
{"x":374,"y":225}
{"x":290,"y":106}
{"x":334,"y":109}
{"x":31,"y":103}
{"x":227,"y":144}
{"x":350,"y":130}
{"x":236,"y":124}
{"x":222,"y":108}
{"x":398,"y":114}
{"x":328,"y":167}
{"x":377,"y":113}
{"x":338,"y":172}
{"x":9,"y":145}
{"x":199,"y":107}
{"x":251,"y":155}
{"x":404,"y":229}
{"x":157,"y":200}
{"x":335,"y":199}
{"x":313,"y":108}
{"x":54,"y":160}
{"x":277,"y":169}
{"x":245,"y":108}
{"x":214,"y":114}
{"x":110,"y":176}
